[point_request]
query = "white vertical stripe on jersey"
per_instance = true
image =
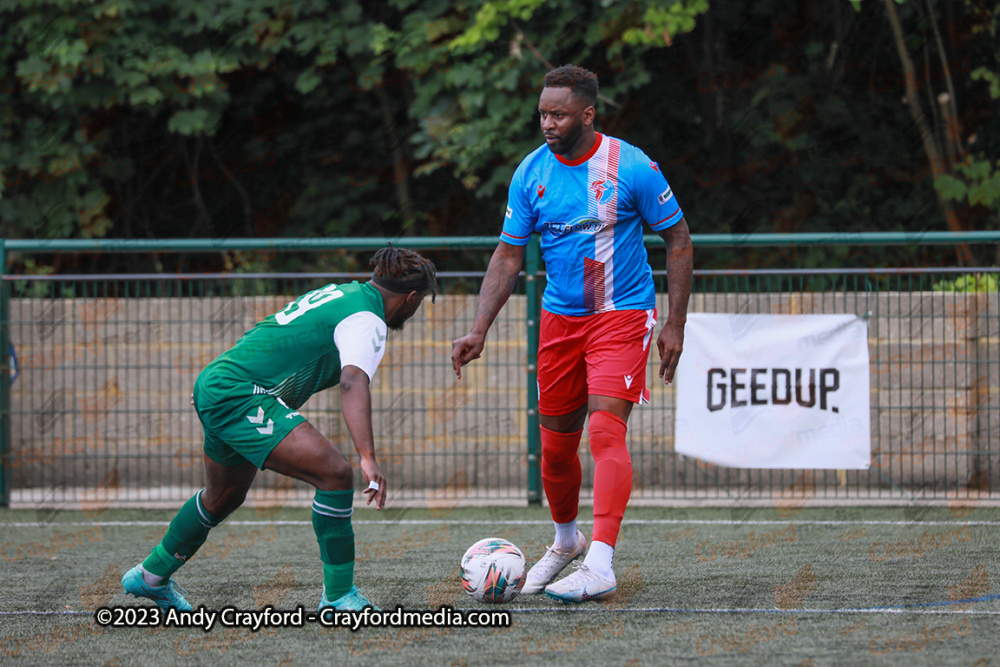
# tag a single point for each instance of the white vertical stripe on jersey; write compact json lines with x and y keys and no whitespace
{"x":604,"y":166}
{"x":595,"y":174}
{"x":612,"y":216}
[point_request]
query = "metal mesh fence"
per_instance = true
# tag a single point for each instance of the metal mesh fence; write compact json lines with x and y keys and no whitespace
{"x":934,"y":383}
{"x":99,"y":403}
{"x":103,"y":367}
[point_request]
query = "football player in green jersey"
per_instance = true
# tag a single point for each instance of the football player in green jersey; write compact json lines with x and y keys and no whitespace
{"x":247,"y":400}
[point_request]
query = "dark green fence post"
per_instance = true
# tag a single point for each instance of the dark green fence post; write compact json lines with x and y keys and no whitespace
{"x":4,"y":380}
{"x":533,"y":314}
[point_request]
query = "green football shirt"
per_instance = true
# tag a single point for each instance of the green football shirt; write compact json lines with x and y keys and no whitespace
{"x":301,"y":350}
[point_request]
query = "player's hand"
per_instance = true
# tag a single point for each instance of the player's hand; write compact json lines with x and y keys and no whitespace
{"x":466,"y":349}
{"x":670,"y":343}
{"x":372,"y":473}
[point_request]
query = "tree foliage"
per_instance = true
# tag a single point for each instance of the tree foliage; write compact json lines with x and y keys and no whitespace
{"x":162,"y":119}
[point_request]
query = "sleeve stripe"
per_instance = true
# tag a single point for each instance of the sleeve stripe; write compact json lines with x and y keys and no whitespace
{"x":672,"y":215}
{"x":515,"y":241}
{"x":514,"y":236}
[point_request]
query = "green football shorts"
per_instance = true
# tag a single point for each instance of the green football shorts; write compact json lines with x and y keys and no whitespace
{"x":242,"y":422}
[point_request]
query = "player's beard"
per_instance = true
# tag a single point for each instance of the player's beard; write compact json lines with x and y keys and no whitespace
{"x":398,"y":319}
{"x":568,"y":142}
{"x":395,"y":323}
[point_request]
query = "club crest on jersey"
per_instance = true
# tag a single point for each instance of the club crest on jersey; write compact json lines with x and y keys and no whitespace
{"x":604,"y":191}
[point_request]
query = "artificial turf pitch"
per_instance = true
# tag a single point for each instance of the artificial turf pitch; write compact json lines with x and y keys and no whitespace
{"x":844,"y":586}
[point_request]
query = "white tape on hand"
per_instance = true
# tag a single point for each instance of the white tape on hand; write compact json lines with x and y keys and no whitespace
{"x":373,"y":485}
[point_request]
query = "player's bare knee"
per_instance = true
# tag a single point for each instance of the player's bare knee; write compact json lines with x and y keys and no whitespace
{"x":336,"y":474}
{"x":223,"y":503}
{"x":235,"y":499}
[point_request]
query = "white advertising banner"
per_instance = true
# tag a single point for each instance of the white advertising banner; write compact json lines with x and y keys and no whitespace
{"x":774,"y":391}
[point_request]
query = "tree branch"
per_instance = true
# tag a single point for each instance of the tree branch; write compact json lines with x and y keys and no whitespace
{"x":944,"y":65}
{"x":929,"y":89}
{"x":247,"y":208}
{"x":401,"y":180}
{"x":926,"y":134}
{"x":544,"y":61}
{"x":192,"y":167}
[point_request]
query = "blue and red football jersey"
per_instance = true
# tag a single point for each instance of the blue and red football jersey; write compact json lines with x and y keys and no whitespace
{"x":589,"y":212}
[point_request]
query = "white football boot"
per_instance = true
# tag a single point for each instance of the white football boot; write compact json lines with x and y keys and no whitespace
{"x":551,"y":564}
{"x":581,"y":585}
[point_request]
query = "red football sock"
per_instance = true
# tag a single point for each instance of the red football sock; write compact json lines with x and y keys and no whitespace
{"x":612,"y":474}
{"x":561,"y":474}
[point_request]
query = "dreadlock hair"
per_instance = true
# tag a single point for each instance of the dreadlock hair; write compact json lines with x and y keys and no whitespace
{"x":403,"y":271}
{"x":582,"y":82}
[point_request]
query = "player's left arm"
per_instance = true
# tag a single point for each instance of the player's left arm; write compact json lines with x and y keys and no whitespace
{"x":356,"y":405}
{"x":656,"y":203}
{"x":360,"y":339}
{"x":680,"y":267}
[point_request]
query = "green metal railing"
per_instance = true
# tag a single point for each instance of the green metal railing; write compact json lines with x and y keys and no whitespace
{"x":486,"y":242}
{"x":99,"y":409}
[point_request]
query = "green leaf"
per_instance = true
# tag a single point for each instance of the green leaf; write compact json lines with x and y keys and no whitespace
{"x":189,"y":121}
{"x":382,"y":38}
{"x":980,"y":169}
{"x":950,"y":187}
{"x":970,"y":282}
{"x":148,"y":95}
{"x":306,"y":82}
{"x":491,"y":18}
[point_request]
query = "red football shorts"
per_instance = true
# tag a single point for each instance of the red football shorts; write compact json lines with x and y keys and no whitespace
{"x":603,"y":354}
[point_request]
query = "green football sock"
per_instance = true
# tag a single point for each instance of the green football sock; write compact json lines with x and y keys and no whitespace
{"x":187,"y":532}
{"x":331,"y":516}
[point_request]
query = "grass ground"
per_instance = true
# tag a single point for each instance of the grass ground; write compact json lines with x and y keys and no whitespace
{"x":812,"y":587}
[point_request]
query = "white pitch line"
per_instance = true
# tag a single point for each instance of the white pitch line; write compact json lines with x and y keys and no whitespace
{"x":643,"y":610}
{"x":45,"y":613}
{"x":667,"y":610}
{"x":479,"y":522}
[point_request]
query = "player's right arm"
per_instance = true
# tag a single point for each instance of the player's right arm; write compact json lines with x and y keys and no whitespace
{"x":501,"y":276}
